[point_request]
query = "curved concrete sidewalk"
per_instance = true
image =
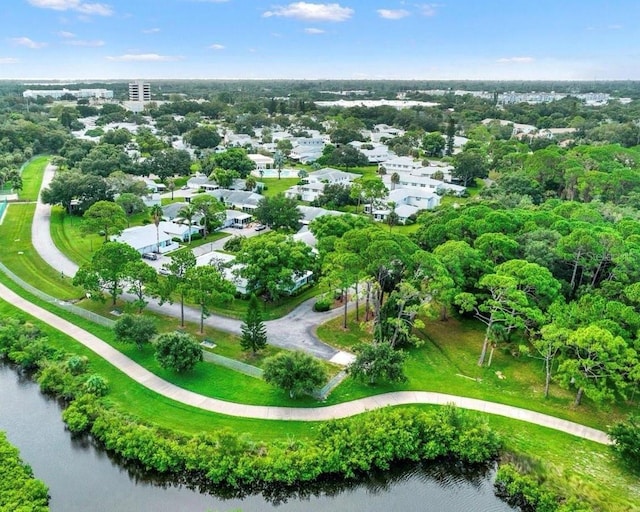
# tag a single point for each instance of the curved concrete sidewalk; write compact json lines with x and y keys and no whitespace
{"x":295,"y":331}
{"x":343,"y":410}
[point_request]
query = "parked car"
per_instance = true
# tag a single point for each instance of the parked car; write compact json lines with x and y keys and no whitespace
{"x":260,"y":227}
{"x":150,"y":256}
{"x":164,"y":272}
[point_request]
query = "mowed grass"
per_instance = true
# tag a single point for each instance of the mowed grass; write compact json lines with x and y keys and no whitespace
{"x":447,"y":363}
{"x":134,"y":399}
{"x":69,"y":237}
{"x":277,"y":186}
{"x":18,"y":254}
{"x":32,"y":178}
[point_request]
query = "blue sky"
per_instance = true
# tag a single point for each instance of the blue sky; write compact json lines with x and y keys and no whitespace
{"x":362,"y":39}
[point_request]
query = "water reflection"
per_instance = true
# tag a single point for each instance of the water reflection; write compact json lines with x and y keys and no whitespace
{"x":83,"y":477}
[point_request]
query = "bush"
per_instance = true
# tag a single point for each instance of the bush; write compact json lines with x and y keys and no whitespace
{"x":233,"y":244}
{"x":626,"y":440}
{"x":196,"y":236}
{"x":135,"y":329}
{"x":177,"y":351}
{"x":322,"y":305}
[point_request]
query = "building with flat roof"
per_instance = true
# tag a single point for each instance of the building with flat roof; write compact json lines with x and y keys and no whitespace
{"x":139,"y":91}
{"x":56,"y":94}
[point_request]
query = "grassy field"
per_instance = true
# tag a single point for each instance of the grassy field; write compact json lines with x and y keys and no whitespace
{"x":32,"y":178}
{"x":22,"y":259}
{"x":277,"y":186}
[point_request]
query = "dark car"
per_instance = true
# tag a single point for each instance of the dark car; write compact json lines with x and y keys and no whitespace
{"x":150,"y":256}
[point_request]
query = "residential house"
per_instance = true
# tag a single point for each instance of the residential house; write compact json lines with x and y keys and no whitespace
{"x":262,"y":162}
{"x":400,"y":164}
{"x":237,"y":199}
{"x":236,"y":219}
{"x":154,"y":188}
{"x":317,"y":180}
{"x":376,"y":154}
{"x":437,"y":186}
{"x":200,"y":181}
{"x":146,"y":239}
{"x":406,"y":202}
{"x":312,"y":212}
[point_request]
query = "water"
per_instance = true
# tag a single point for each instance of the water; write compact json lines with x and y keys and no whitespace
{"x":82,"y":477}
{"x":273,"y":173}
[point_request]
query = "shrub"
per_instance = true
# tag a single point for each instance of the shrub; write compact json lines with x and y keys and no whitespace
{"x":233,"y":244}
{"x":322,"y":305}
{"x":177,"y":351}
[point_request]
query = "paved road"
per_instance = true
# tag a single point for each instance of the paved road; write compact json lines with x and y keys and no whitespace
{"x":343,"y":410}
{"x":295,"y":331}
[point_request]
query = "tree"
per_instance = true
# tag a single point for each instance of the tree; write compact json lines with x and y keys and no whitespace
{"x":104,"y":159}
{"x":130,"y":203}
{"x":181,"y":263}
{"x":140,"y":277}
{"x":272,"y":263}
{"x":168,"y":162}
{"x":105,"y":217}
{"x":341,"y":270}
{"x":254,"y":332}
{"x":171,"y":186}
{"x":177,"y":351}
{"x":279,"y":212}
{"x":250,"y":183}
{"x":347,"y":156}
{"x":378,"y":361}
{"x":203,"y":137}
{"x":187,"y":213}
{"x":234,"y":159}
{"x":451,"y":134}
{"x":294,"y":372}
{"x":547,"y":346}
{"x":395,"y":179}
{"x":211,"y":209}
{"x":433,"y":144}
{"x":206,"y":286}
{"x":373,"y":190}
{"x":436,"y":282}
{"x":596,"y":363}
{"x":278,"y":158}
{"x":106,"y":271}
{"x":469,"y":165}
{"x":504,"y":305}
{"x":626,"y":440}
{"x":70,"y":186}
{"x":135,"y":329}
{"x":156,"y":214}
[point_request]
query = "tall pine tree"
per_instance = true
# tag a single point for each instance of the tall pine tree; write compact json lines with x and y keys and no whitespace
{"x":451,"y":132}
{"x":254,"y":332}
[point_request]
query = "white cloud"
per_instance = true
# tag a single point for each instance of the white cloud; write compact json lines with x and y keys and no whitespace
{"x":8,"y":60}
{"x":314,"y":31}
{"x":311,"y":12}
{"x":90,"y":9}
{"x":143,"y":57}
{"x":428,"y":9}
{"x":392,"y":14}
{"x":614,"y":27}
{"x":66,"y":35}
{"x":151,"y":31}
{"x":29,"y":43}
{"x":515,"y":60}
{"x":80,"y":42}
{"x":217,"y":46}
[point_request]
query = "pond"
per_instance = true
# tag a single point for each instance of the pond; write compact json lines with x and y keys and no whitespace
{"x":82,"y":477}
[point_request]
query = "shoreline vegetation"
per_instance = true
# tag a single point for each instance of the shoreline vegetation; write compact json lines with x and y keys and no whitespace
{"x":20,"y":491}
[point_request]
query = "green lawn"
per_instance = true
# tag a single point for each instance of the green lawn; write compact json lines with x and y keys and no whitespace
{"x":446,"y":363}
{"x":32,"y":178}
{"x":277,"y":186}
{"x":22,"y":259}
{"x":69,"y":238}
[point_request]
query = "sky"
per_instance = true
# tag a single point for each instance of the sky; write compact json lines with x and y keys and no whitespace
{"x":347,"y":39}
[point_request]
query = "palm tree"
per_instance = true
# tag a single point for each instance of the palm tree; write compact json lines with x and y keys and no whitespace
{"x":156,"y":214}
{"x":278,"y":161}
{"x":171,"y":185}
{"x":187,"y":213}
{"x":395,"y":179}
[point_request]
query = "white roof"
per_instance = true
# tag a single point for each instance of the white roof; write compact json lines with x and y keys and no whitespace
{"x":140,"y":237}
{"x":260,"y":159}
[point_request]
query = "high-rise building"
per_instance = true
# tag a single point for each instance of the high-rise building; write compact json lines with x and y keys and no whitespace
{"x":139,"y":91}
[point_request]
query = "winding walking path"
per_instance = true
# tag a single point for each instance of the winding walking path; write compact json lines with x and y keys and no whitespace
{"x":343,"y":410}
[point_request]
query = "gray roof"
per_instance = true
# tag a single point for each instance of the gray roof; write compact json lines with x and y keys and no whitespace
{"x":311,"y":212}
{"x":170,"y":211}
{"x":140,"y":237}
{"x":237,"y":197}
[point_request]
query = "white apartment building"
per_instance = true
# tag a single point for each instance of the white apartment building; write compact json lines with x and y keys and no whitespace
{"x":139,"y":91}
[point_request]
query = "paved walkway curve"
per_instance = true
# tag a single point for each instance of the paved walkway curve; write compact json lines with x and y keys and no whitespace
{"x":343,"y":410}
{"x":294,"y":331}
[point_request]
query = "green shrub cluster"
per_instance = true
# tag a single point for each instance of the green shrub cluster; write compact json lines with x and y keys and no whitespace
{"x":19,"y":490}
{"x":322,"y":305}
{"x":344,"y":448}
{"x":525,"y":492}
